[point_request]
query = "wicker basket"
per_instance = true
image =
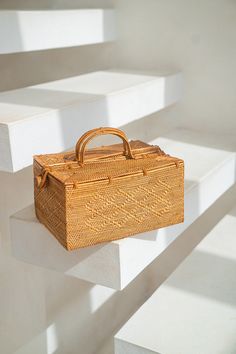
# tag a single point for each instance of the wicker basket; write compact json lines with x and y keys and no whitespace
{"x":107,"y":193}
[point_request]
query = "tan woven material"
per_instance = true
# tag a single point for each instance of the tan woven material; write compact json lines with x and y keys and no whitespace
{"x":107,"y":193}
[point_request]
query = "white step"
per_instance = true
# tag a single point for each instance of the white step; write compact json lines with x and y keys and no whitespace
{"x":23,"y":31}
{"x":209,"y":172}
{"x":194,"y":311}
{"x":51,"y":117}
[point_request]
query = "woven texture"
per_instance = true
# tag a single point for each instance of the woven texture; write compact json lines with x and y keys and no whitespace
{"x":107,"y":193}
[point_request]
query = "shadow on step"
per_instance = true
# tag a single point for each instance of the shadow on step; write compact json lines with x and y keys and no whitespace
{"x":225,"y":142}
{"x":207,"y":275}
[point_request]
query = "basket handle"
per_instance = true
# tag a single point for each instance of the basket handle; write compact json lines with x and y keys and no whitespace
{"x":91,"y":134}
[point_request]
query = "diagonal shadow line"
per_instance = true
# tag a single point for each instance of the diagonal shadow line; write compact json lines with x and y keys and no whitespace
{"x":216,"y":141}
{"x":207,"y":275}
{"x":233,"y":212}
{"x":69,"y":91}
{"x":46,"y":98}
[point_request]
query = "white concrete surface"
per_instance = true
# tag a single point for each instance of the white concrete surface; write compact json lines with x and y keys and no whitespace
{"x":209,"y":172}
{"x":194,"y":311}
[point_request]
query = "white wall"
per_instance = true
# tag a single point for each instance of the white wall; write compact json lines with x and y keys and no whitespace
{"x":195,"y":36}
{"x":42,"y":312}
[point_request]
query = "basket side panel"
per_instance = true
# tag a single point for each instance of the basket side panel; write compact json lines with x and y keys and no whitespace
{"x":112,"y":210}
{"x":50,"y":206}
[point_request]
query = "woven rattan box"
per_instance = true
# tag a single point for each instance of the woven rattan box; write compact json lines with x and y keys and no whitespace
{"x":107,"y":193}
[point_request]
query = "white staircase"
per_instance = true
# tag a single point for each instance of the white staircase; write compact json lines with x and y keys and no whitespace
{"x":51,"y":117}
{"x":195,"y":307}
{"x":23,"y":31}
{"x":194,"y":311}
{"x":209,"y":172}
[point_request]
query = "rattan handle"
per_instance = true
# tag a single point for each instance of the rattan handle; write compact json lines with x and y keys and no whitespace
{"x":91,"y":134}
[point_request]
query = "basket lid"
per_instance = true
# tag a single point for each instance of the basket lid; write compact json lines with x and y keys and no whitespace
{"x":103,"y":163}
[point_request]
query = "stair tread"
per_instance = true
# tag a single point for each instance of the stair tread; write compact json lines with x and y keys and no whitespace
{"x":209,"y":172}
{"x":52,"y":116}
{"x":194,"y":310}
{"x":22,"y":30}
{"x":25,"y":103}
